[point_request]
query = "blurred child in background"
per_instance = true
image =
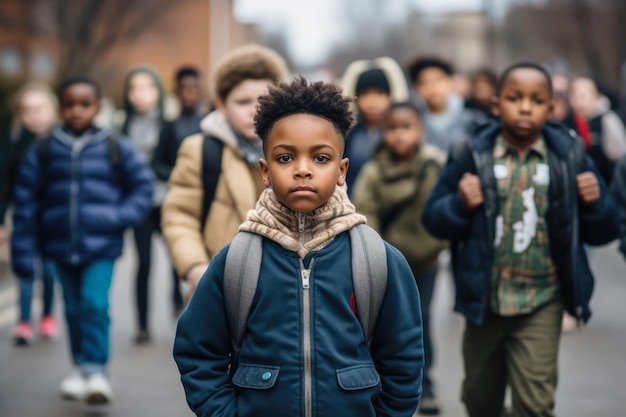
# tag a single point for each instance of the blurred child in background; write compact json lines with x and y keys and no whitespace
{"x":391,"y":191}
{"x":35,"y":113}
{"x":199,"y":219}
{"x":189,"y":93}
{"x":374,"y":85}
{"x":445,"y":118}
{"x":144,"y":120}
{"x":74,"y":196}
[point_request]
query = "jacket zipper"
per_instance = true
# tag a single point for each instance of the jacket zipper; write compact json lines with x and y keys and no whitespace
{"x":305,"y":275}
{"x":75,"y":256}
{"x":575,"y":239}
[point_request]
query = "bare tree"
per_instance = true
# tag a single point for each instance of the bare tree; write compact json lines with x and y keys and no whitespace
{"x":88,"y":30}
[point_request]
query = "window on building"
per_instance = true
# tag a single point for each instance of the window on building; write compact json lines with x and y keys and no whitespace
{"x":10,"y":61}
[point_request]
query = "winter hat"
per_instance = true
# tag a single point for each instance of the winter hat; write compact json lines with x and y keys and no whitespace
{"x":372,"y":78}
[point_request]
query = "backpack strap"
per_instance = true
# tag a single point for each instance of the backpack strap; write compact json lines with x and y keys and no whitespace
{"x":43,"y":160}
{"x":369,"y":276}
{"x":212,"y":149}
{"x":241,"y":276}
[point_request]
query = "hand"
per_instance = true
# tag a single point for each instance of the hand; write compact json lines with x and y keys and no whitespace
{"x":469,"y":191}
{"x":194,"y":275}
{"x":3,"y":235}
{"x":588,"y":187}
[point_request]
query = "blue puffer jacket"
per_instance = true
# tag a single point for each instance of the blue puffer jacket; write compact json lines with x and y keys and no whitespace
{"x":83,"y":211}
{"x":472,"y":233}
{"x":271,"y":379}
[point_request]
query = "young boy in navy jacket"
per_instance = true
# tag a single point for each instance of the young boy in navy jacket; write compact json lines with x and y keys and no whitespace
{"x":74,"y":197}
{"x":518,"y":201}
{"x":304,"y":351}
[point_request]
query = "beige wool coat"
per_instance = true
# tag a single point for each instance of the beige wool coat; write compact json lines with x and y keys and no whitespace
{"x":238,"y":189}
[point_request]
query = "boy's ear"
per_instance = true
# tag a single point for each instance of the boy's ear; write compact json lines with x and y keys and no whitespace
{"x":551,"y":106}
{"x":265,"y":174}
{"x":343,"y":170}
{"x":495,"y":106}
{"x":219,"y":105}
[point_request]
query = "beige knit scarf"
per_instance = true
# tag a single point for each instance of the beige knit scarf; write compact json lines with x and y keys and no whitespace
{"x":301,"y":232}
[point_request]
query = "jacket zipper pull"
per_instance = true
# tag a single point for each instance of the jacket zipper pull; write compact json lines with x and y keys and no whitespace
{"x":305,"y":278}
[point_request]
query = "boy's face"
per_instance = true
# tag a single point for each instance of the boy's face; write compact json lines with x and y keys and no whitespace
{"x":403,"y":132}
{"x":188,"y":92}
{"x":434,"y":86}
{"x":584,"y":96}
{"x":239,"y":106}
{"x":37,"y":112}
{"x":143,"y":94}
{"x":524,"y":104}
{"x":482,"y":90}
{"x":372,"y":103}
{"x":303,"y":163}
{"x":79,"y":106}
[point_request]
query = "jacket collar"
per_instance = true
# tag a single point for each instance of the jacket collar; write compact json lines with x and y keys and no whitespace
{"x":97,"y":135}
{"x":557,"y":136}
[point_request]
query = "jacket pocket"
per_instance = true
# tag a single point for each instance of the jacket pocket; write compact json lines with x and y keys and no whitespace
{"x":255,"y":376}
{"x":358,"y":377}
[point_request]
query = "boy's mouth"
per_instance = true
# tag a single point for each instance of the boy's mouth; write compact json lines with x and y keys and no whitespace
{"x":303,"y":189}
{"x":524,"y":124}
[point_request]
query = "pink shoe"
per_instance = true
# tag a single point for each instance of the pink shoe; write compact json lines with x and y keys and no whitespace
{"x":48,"y":327}
{"x":23,"y":333}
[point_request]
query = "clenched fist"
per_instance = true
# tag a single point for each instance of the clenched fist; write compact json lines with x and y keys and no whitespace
{"x":588,"y":187}
{"x":469,"y":191}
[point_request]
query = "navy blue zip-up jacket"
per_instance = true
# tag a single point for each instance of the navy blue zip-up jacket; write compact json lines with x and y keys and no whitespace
{"x":271,"y":378}
{"x":83,"y":211}
{"x":570,"y":221}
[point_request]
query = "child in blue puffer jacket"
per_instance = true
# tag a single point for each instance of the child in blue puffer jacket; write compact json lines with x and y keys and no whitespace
{"x":75,"y":194}
{"x":305,"y":350}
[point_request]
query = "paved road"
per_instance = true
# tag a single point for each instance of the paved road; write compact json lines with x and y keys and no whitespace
{"x":145,"y":380}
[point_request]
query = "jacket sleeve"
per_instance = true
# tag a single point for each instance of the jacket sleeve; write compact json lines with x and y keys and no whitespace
{"x":618,"y":188}
{"x":161,"y":160}
{"x":138,"y":186}
{"x":202,"y":347}
{"x":600,"y":221}
{"x":26,"y":220}
{"x":397,"y":346}
{"x":6,"y":184}
{"x":613,"y":136}
{"x":364,"y":195}
{"x":182,"y":208}
{"x":444,"y":215}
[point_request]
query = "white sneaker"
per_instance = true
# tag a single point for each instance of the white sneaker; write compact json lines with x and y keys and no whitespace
{"x":98,"y":390}
{"x":74,"y":386}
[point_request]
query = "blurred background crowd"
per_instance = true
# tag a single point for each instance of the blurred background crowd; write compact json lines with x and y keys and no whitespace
{"x":155,"y":62}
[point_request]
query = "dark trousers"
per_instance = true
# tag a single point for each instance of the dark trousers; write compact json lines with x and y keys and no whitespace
{"x":426,"y":285}
{"x":521,"y":351}
{"x":143,"y":242}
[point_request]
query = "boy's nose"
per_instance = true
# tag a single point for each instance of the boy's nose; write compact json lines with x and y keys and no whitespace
{"x":525,"y":105}
{"x":303,"y":170}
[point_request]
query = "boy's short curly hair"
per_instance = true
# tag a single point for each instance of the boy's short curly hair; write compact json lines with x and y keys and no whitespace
{"x":299,"y":96}
{"x":248,"y":62}
{"x":419,"y":64}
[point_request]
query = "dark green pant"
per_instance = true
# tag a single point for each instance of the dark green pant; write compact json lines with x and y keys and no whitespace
{"x":520,"y":351}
